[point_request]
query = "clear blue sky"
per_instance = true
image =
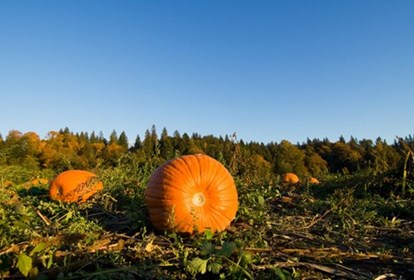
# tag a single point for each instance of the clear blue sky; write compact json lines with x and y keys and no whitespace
{"x":267,"y":70}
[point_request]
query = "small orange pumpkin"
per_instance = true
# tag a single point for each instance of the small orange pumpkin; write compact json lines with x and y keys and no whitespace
{"x":40,"y":181}
{"x":290,"y":178}
{"x":74,"y":186}
{"x":6,"y":183}
{"x":191,"y":193}
{"x":37,"y":182}
{"x":314,"y":181}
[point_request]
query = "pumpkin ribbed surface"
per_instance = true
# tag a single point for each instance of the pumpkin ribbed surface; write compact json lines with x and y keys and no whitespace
{"x":74,"y":186}
{"x":191,"y":193}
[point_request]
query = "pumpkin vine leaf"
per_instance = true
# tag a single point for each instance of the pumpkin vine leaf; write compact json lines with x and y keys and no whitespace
{"x":39,"y":247}
{"x":228,"y":249}
{"x":24,"y":263}
{"x":208,"y":234}
{"x":214,"y":267}
{"x":207,"y":248}
{"x":197,"y":265}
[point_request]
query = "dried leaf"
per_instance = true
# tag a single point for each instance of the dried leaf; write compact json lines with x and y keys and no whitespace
{"x":149,"y":247}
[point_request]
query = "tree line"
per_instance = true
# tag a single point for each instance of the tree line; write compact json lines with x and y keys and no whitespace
{"x":63,"y":149}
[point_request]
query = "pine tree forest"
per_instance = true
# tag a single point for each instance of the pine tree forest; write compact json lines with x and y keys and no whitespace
{"x":62,"y":150}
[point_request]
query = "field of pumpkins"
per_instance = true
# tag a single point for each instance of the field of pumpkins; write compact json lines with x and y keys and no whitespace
{"x":190,"y":218}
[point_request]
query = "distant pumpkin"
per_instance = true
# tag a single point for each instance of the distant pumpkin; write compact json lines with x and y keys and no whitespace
{"x":290,"y":178}
{"x":74,"y":186}
{"x":190,"y":194}
{"x":6,"y":183}
{"x":314,"y":181}
{"x":37,"y":182}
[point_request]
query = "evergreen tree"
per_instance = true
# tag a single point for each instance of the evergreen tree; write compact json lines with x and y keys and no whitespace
{"x":154,"y":135}
{"x":123,"y":140}
{"x":102,"y":138}
{"x":137,"y":143}
{"x":195,"y":136}
{"x":93,"y":137}
{"x":186,"y":143}
{"x":177,"y":134}
{"x":178,"y":143}
{"x":367,"y":152}
{"x":164,"y":133}
{"x":113,"y":138}
{"x":64,"y":131}
{"x":166,"y":145}
{"x":150,"y":142}
{"x":88,"y":155}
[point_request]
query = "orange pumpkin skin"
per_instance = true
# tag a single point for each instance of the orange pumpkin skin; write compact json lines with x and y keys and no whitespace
{"x":40,"y":181}
{"x":6,"y":183}
{"x":37,"y":182}
{"x":74,"y":186}
{"x":290,"y":178}
{"x":190,"y":194}
{"x":314,"y":181}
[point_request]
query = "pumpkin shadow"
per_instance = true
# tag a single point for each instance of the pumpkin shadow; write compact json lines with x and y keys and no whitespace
{"x":34,"y":191}
{"x":119,"y":211}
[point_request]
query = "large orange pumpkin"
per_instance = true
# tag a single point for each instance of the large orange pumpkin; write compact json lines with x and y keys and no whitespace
{"x":290,"y":178}
{"x":190,"y":194}
{"x":74,"y":186}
